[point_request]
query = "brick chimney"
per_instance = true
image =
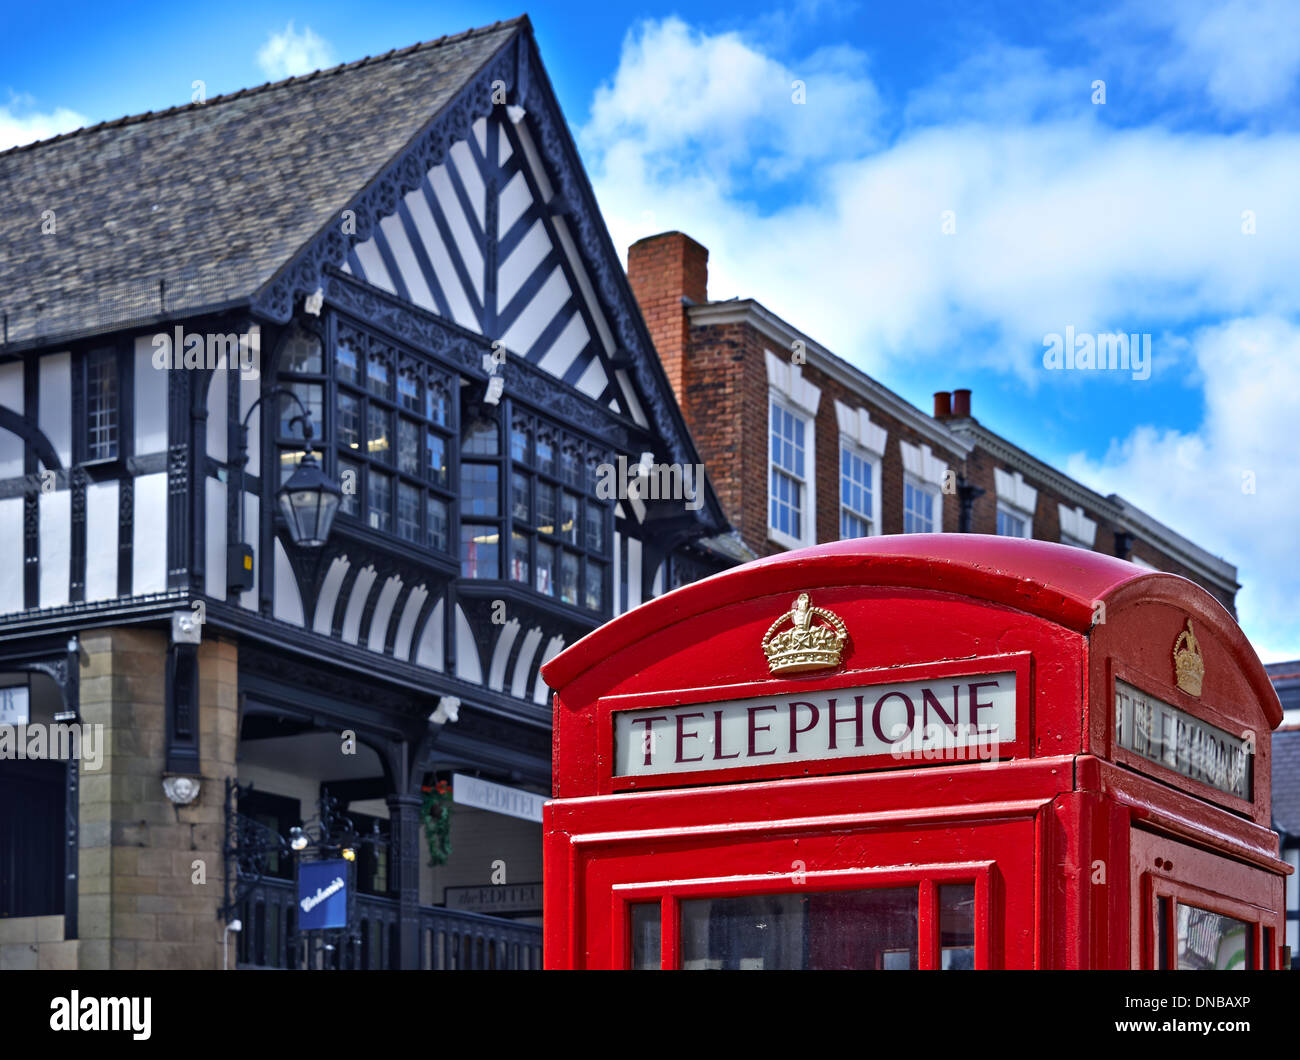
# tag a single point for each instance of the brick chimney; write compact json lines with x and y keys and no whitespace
{"x":961,"y":402}
{"x":942,"y":404}
{"x":668,"y":272}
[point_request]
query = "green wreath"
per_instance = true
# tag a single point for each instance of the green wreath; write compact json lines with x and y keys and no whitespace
{"x":435,"y":812}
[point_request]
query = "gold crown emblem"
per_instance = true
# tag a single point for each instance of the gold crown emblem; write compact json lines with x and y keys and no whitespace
{"x":804,"y":646}
{"x":1189,"y":668}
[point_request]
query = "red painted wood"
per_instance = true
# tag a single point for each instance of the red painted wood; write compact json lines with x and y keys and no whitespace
{"x":1051,"y":834}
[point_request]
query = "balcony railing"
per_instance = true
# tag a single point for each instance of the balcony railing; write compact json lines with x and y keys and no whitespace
{"x":448,"y":939}
{"x":451,"y":939}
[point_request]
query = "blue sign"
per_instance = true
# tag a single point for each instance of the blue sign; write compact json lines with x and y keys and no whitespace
{"x":322,"y":895}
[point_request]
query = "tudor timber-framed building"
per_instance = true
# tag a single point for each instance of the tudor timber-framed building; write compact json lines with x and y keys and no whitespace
{"x":378,"y":233}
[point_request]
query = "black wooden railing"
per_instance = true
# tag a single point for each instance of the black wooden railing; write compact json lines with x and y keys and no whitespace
{"x":452,"y":939}
{"x":448,"y":939}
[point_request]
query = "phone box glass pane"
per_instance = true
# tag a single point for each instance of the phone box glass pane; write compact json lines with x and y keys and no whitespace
{"x":823,"y":930}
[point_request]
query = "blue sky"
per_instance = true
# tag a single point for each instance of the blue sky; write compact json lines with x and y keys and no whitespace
{"x":952,"y":190}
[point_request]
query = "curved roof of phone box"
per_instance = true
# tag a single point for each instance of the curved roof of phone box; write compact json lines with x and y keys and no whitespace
{"x":1060,"y":583}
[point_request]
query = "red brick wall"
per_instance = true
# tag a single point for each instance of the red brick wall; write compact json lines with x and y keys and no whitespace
{"x":891,"y":465}
{"x":984,"y":509}
{"x":726,"y":409}
{"x":1047,"y":523}
{"x":725,"y":406}
{"x":663,"y":270}
{"x":719,"y":374}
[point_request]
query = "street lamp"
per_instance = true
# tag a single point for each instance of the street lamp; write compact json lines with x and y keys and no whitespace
{"x":331,"y":834}
{"x":309,"y":500}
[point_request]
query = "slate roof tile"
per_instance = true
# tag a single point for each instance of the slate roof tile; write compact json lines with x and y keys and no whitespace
{"x":213,"y":198}
{"x":1286,"y":749}
{"x":1286,"y":781}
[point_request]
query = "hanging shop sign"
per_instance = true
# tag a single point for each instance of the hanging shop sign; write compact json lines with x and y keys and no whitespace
{"x":505,"y":899}
{"x":322,"y":895}
{"x":496,"y":798}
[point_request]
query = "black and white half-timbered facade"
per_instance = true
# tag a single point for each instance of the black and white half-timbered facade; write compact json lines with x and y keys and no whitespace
{"x":405,"y":254}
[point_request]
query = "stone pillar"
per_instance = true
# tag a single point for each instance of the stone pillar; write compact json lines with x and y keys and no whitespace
{"x":151,"y":871}
{"x":404,"y":835}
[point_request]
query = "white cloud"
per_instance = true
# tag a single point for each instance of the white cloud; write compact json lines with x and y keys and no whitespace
{"x":690,"y":101}
{"x":1200,"y":480}
{"x":17,"y":129}
{"x":1061,"y":219}
{"x":289,"y":54}
{"x":1242,"y":56}
{"x":1248,"y":52}
{"x":1002,"y":82}
{"x":1063,"y":223}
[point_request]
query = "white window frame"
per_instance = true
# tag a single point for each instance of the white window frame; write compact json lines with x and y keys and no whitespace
{"x":1011,"y":511}
{"x":872,"y":461}
{"x":866,"y":441}
{"x":925,"y":471}
{"x":1016,"y":498}
{"x":807,"y":513}
{"x":788,"y":389}
{"x":1074,"y":542}
{"x":934,"y":492}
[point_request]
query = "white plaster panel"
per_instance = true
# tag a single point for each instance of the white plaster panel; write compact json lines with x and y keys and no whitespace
{"x":468,"y":667}
{"x":56,"y":547}
{"x":101,"y":540}
{"x":149,"y":538}
{"x":150,"y":409}
{"x":383,"y":612}
{"x":286,"y":604}
{"x":11,"y":555}
{"x":54,"y":415}
{"x":12,"y":447}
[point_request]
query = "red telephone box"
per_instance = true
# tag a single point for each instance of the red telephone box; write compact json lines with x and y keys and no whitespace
{"x":921,"y":751}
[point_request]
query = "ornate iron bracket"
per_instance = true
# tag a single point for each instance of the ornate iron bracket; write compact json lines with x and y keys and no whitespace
{"x":248,"y":846}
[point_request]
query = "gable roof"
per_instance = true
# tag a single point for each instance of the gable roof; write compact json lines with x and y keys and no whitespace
{"x":167,"y":196}
{"x":239,"y":201}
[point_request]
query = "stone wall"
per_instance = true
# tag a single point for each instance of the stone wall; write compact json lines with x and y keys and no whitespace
{"x":150,"y":872}
{"x":29,"y":943}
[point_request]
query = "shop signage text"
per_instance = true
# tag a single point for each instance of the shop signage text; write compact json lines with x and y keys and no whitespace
{"x":1170,"y":737}
{"x":322,"y":894}
{"x":496,"y":798}
{"x":14,"y":705}
{"x":496,"y":898}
